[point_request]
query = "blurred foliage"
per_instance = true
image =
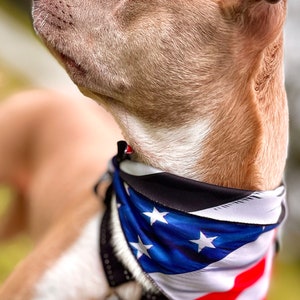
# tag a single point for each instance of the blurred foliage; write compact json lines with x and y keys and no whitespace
{"x":11,"y":253}
{"x":293,"y":92}
{"x":14,"y":250}
{"x":19,"y":8}
{"x":285,"y":282}
{"x":10,"y":82}
{"x":22,"y":5}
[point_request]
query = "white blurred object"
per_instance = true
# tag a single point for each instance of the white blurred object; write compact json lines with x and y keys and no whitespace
{"x":21,"y":51}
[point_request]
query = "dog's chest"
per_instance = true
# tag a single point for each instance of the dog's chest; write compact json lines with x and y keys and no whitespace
{"x":77,"y":274}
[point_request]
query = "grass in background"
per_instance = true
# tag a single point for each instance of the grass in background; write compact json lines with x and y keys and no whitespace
{"x":12,"y":251}
{"x":10,"y":82}
{"x":286,"y":281}
{"x":20,"y":9}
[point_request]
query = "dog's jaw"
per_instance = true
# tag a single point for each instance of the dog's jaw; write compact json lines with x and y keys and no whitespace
{"x":180,"y":80}
{"x":58,"y":24}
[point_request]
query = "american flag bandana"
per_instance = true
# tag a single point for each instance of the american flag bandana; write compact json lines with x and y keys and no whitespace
{"x":195,"y":240}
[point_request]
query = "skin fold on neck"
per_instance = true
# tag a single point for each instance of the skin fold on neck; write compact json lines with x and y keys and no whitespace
{"x":241,"y":143}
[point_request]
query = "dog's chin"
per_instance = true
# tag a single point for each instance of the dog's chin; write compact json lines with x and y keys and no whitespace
{"x":50,"y":29}
{"x":102,"y":99}
{"x":74,"y":69}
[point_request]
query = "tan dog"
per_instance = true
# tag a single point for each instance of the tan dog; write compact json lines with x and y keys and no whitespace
{"x":52,"y":155}
{"x":205,"y":77}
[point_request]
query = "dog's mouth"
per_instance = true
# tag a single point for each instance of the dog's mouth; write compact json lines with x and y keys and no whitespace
{"x":50,"y":25}
{"x":71,"y":65}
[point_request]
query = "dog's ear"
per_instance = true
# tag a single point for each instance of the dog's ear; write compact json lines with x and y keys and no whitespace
{"x":259,"y":19}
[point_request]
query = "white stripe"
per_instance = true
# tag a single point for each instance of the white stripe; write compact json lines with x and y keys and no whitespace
{"x":137,"y":169}
{"x":260,"y":288}
{"x":258,"y":208}
{"x":217,"y":277}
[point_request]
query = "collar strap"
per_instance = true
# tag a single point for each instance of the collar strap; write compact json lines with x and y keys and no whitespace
{"x":116,"y":273}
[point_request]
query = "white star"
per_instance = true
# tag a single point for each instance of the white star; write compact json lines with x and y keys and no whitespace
{"x":204,"y":241}
{"x":141,"y":248}
{"x":155,"y":215}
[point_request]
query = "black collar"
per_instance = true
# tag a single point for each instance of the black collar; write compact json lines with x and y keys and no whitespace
{"x":115,"y":271}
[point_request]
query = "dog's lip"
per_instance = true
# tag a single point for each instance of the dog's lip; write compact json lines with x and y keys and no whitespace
{"x":70,"y":63}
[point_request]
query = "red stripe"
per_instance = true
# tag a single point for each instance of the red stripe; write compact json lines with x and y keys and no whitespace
{"x":241,"y":283}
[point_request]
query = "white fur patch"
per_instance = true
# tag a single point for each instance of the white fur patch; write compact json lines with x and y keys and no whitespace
{"x":77,"y":274}
{"x":175,"y":150}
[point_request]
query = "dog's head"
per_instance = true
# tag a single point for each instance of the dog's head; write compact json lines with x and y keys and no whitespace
{"x":151,"y":56}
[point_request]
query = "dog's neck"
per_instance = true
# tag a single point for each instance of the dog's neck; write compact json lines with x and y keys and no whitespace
{"x":197,"y":89}
{"x":240,"y":143}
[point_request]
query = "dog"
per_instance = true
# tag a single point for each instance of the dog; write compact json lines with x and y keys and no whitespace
{"x":197,"y":89}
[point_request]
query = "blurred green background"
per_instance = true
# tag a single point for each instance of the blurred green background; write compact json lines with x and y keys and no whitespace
{"x":19,"y":49}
